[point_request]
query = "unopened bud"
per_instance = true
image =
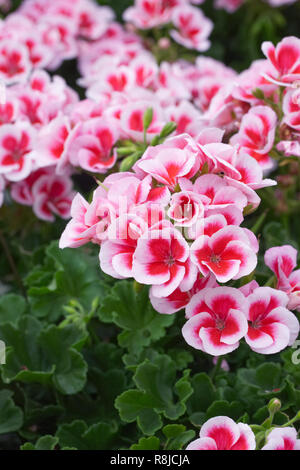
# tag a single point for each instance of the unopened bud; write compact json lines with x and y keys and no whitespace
{"x":168,"y":129}
{"x":274,"y":405}
{"x":147,"y":118}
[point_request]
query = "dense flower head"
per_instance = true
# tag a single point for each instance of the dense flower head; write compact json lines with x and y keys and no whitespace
{"x":192,"y":27}
{"x":169,"y":225}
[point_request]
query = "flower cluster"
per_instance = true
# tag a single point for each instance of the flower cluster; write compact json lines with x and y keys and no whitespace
{"x":45,"y":125}
{"x":175,"y":224}
{"x":38,"y":112}
{"x":222,"y":433}
{"x":192,"y":27}
{"x":260,"y":110}
{"x":219,"y":317}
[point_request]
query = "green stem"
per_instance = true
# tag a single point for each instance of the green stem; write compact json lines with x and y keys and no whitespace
{"x":217,"y":368}
{"x":258,"y":224}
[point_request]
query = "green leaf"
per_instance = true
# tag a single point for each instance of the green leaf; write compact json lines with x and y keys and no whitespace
{"x":79,"y":435}
{"x":146,"y":443}
{"x":178,"y":442}
{"x":156,"y":394}
{"x":204,"y":393}
{"x":223,"y":408}
{"x":173,"y":430}
{"x":12,"y":307}
{"x":43,"y":355}
{"x":46,"y":442}
{"x":132,"y":311}
{"x":76,"y":275}
{"x":177,"y":436}
{"x":11,"y":416}
{"x":268,"y":375}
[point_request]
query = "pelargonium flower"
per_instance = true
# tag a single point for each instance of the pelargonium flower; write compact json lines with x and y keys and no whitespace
{"x":251,"y":178}
{"x":228,"y":254}
{"x":168,"y":162}
{"x":229,"y":5}
{"x":90,"y":145}
{"x":116,"y":253}
{"x":272,"y":327}
{"x":14,"y":62}
{"x":52,"y":195}
{"x":161,"y":259}
{"x":186,"y":208}
{"x":282,"y":439}
{"x":222,"y":433}
{"x":216,"y":320}
{"x":257,"y":133}
{"x":285,"y":58}
{"x":282,"y":260}
{"x":52,"y":141}
{"x":147,"y":14}
{"x":16,"y":146}
{"x":8,"y":111}
{"x":193,"y":28}
{"x":215,"y":192}
{"x":131,"y":120}
{"x":180,"y":298}
{"x":291,"y":109}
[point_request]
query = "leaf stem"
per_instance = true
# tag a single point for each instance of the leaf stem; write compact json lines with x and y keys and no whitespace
{"x":217,"y":368}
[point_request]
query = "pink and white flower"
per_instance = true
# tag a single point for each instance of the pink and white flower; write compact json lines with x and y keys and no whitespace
{"x":180,"y":298}
{"x":14,"y":62}
{"x":193,"y":28}
{"x":229,"y":5}
{"x":285,"y":58}
{"x":272,"y":327}
{"x":282,"y":439}
{"x":282,"y":260}
{"x":228,"y":254}
{"x":161,"y":260}
{"x":222,"y":433}
{"x":90,"y":145}
{"x":216,"y":320}
{"x":186,"y":208}
{"x":257,"y":133}
{"x":16,"y":145}
{"x":147,"y":14}
{"x":167,"y":163}
{"x":52,"y":195}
